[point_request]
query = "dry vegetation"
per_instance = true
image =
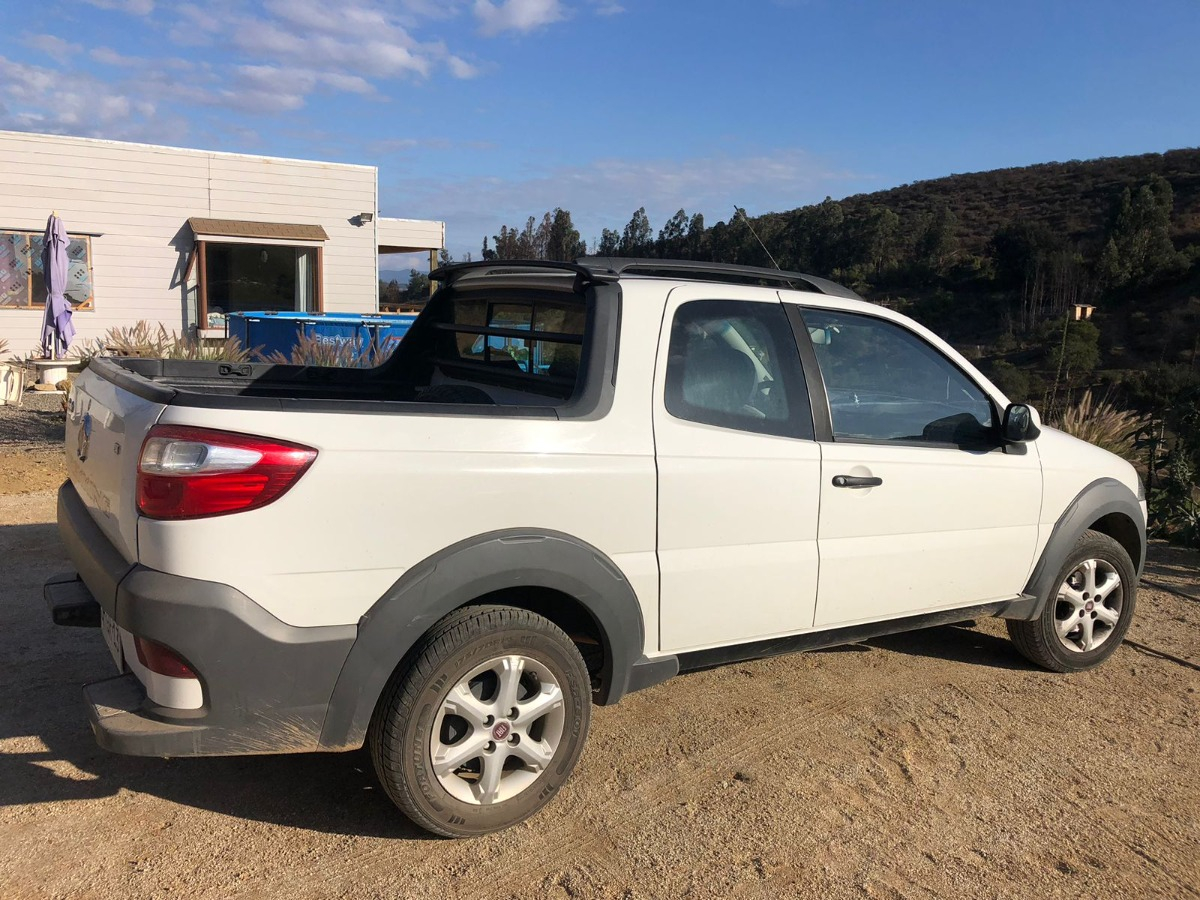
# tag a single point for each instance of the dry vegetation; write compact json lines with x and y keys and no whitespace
{"x":145,"y":340}
{"x":1101,"y":422}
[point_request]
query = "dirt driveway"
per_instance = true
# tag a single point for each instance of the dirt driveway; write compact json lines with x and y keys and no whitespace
{"x":936,"y":764}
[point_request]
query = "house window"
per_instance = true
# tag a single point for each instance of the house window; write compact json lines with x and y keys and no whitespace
{"x":245,"y":266}
{"x":22,"y":283}
{"x":251,"y":277}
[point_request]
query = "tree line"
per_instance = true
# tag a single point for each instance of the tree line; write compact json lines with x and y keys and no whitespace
{"x":879,"y":250}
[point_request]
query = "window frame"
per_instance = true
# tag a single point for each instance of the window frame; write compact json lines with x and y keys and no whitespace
{"x":819,"y":392}
{"x":798,"y":424}
{"x":88,"y":305}
{"x":199,"y":263}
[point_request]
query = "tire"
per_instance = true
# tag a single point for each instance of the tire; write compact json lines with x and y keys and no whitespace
{"x":1088,"y":611}
{"x":447,"y":755}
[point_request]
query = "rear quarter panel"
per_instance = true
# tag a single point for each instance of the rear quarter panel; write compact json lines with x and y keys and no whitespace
{"x":387,"y":491}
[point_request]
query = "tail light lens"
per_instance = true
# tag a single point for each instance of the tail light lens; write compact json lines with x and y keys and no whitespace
{"x":191,"y":473}
{"x":162,"y":660}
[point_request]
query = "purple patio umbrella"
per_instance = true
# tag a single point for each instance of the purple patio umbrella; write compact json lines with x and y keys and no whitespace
{"x":57,"y":328}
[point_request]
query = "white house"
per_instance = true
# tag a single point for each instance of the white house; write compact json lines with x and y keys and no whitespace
{"x":182,"y":236}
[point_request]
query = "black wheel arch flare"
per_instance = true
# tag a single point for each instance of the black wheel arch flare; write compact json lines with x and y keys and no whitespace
{"x":498,"y":561}
{"x":1105,"y":505}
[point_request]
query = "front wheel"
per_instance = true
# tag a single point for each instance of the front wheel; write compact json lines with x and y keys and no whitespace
{"x":485,"y":722}
{"x":1086,"y":616}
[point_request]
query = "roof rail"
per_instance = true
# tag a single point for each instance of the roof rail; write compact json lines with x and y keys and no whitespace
{"x":607,"y":270}
{"x":583,"y":274}
{"x":698,"y":269}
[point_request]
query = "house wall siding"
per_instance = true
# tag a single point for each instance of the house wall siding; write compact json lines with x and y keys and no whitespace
{"x":138,"y":198}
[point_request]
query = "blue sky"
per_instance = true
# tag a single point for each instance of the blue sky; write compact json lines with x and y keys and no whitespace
{"x":483,"y":112}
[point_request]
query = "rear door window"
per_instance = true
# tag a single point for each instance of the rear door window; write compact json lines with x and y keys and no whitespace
{"x":734,"y":364}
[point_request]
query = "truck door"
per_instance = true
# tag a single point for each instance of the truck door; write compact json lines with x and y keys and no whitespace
{"x":923,"y":507}
{"x":738,"y":471}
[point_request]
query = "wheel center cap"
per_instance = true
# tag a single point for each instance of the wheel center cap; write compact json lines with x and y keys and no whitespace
{"x":501,"y":730}
{"x":1089,"y":606}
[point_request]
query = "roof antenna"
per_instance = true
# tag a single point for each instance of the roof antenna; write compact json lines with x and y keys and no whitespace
{"x":741,"y":212}
{"x":737,"y":210}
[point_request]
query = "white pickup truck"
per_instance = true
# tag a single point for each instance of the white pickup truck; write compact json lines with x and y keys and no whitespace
{"x":571,"y":481}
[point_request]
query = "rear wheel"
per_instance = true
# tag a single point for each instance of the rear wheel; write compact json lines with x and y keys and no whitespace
{"x":1086,"y":616}
{"x":484,"y":724}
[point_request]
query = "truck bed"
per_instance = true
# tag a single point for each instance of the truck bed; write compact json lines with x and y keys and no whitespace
{"x":273,"y":386}
{"x":468,"y":353}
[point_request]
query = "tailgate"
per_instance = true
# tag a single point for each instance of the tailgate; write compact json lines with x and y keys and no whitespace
{"x":106,"y":425}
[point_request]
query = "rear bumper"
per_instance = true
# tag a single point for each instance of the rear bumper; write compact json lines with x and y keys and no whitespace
{"x":266,"y":684}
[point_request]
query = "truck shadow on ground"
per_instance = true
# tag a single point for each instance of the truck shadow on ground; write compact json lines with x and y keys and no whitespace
{"x":957,"y":643}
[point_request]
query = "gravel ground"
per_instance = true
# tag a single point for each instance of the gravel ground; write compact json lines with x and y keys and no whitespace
{"x":930,"y":765}
{"x":37,"y":423}
{"x":31,"y":450}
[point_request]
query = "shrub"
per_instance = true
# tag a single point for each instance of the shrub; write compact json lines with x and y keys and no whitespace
{"x":312,"y":351}
{"x":1013,"y":381}
{"x":142,"y":340}
{"x":84,"y":351}
{"x":1102,"y":423}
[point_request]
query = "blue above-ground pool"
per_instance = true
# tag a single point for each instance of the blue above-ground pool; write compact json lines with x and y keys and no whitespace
{"x":269,"y":332}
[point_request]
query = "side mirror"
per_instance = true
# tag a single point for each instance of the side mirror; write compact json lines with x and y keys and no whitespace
{"x":1020,"y":424}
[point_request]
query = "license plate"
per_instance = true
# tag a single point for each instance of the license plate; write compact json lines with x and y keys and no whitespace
{"x":112,"y":637}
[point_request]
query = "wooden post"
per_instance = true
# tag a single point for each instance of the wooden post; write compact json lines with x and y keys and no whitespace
{"x":202,"y":280}
{"x":319,"y":279}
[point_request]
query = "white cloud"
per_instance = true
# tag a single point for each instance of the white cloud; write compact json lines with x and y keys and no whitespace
{"x":110,"y":57}
{"x":133,"y":7}
{"x":316,"y":16}
{"x":460,"y":68}
{"x":606,"y":8}
{"x":516,"y":15}
{"x":196,"y":26}
{"x":72,"y":103}
{"x":55,"y":47}
{"x":604,"y":193}
{"x":275,"y":54}
{"x":350,"y":84}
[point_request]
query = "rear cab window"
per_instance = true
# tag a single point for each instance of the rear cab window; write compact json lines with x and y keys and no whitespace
{"x":512,"y":344}
{"x":540,"y":339}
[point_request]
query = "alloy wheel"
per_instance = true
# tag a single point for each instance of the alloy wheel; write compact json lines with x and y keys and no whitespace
{"x":497,"y":730}
{"x":1088,"y":605}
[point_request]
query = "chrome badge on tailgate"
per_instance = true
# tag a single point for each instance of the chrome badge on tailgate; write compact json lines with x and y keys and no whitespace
{"x":84,"y":441}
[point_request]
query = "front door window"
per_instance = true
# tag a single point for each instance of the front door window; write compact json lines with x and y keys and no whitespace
{"x":886,"y":384}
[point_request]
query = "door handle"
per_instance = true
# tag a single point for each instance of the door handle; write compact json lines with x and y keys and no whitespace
{"x":856,"y":481}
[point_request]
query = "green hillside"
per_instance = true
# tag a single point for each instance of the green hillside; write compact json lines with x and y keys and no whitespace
{"x":1072,"y":198}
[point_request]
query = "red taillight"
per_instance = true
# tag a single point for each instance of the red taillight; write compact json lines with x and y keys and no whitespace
{"x":162,"y":660}
{"x":189,"y":473}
